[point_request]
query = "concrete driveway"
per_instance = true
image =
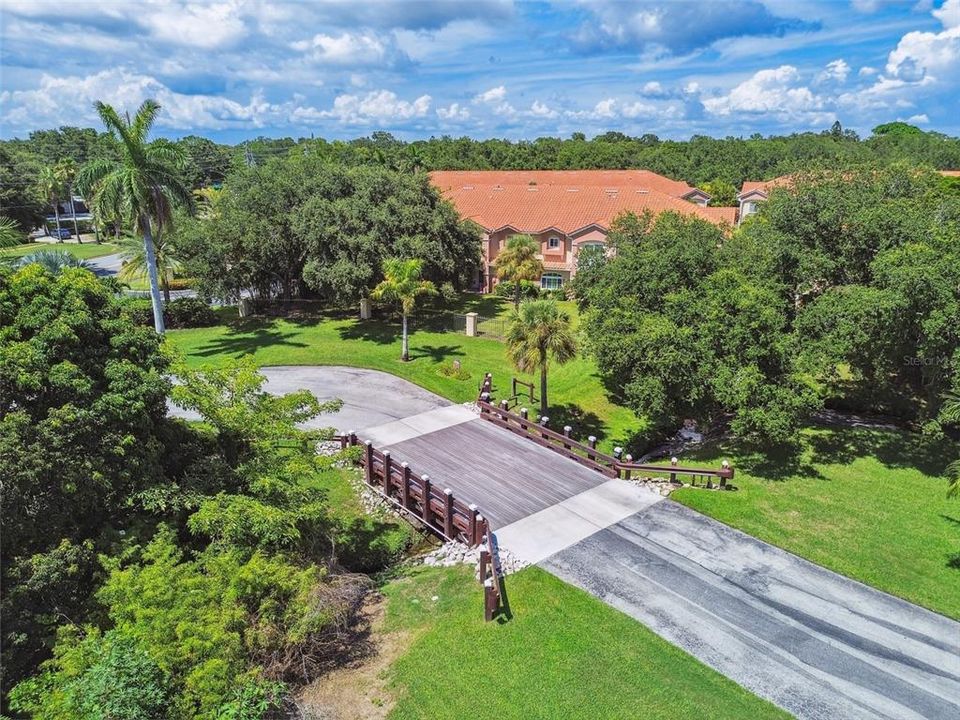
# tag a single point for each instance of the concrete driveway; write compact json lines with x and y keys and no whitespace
{"x":370,"y":397}
{"x":815,"y":643}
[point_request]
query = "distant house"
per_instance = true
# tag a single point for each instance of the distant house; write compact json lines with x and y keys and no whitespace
{"x":755,"y":192}
{"x":565,"y":211}
{"x":67,"y":208}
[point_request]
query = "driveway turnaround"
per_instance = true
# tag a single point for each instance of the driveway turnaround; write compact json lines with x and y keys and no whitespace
{"x":370,"y":397}
{"x":817,"y":644}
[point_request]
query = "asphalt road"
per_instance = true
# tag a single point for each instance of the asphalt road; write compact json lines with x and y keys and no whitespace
{"x":817,"y":644}
{"x":370,"y":398}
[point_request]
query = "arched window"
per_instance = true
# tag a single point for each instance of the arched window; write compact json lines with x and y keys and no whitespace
{"x":551,"y":281}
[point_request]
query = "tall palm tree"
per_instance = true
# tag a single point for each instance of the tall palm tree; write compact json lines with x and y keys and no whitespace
{"x":518,"y":261}
{"x":135,"y":259}
{"x":402,"y":284}
{"x":66,"y":170}
{"x":141,"y":187}
{"x":540,"y":331}
{"x":951,"y":413}
{"x":52,"y":188}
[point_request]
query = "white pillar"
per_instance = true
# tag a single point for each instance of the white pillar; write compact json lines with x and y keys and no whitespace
{"x":364,"y":308}
{"x":472,"y":324}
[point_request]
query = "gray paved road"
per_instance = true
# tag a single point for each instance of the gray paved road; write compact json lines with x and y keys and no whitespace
{"x":369,"y":397}
{"x":817,"y":644}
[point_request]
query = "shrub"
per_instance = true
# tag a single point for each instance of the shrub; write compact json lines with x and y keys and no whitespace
{"x":178,"y":313}
{"x":528,"y":289}
{"x":189,"y":313}
{"x":451,"y":370}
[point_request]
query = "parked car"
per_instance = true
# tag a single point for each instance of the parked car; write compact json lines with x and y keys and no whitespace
{"x":62,"y":233}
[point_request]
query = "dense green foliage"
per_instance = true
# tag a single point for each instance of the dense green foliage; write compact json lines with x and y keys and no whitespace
{"x":299,"y":225}
{"x":172,"y":570}
{"x":82,"y":406}
{"x":845,"y":289}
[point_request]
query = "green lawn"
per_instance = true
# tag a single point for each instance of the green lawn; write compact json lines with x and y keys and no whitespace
{"x":564,"y":654}
{"x":577,"y":395}
{"x":869,"y":504}
{"x":84,"y":251}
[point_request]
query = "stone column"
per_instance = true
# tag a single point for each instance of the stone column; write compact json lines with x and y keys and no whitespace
{"x":472,"y":324}
{"x":365,"y":308}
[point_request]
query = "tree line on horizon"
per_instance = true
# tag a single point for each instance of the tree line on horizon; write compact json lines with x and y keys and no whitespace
{"x":720,"y":165}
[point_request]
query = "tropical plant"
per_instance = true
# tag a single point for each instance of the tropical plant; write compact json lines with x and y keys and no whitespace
{"x":134,"y":256}
{"x":66,"y":170}
{"x":53,"y":261}
{"x":539,"y":331}
{"x":142,"y":187}
{"x":518,"y":261}
{"x":10,"y":233}
{"x":402,"y":284}
{"x":51,"y":185}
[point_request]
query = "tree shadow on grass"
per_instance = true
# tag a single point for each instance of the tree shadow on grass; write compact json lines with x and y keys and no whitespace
{"x":893,"y":448}
{"x":371,"y":331}
{"x":437,"y":353}
{"x":583,"y":423}
{"x":248,"y":337}
{"x":782,"y":461}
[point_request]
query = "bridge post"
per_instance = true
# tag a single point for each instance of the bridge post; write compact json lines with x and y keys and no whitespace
{"x":543,"y":423}
{"x":504,"y":408}
{"x":628,"y":458}
{"x":566,"y":433}
{"x":368,"y":462}
{"x":673,"y":475}
{"x":524,"y":413}
{"x":448,"y":513}
{"x":425,"y":481}
{"x":474,"y":513}
{"x":387,"y":469}
{"x":405,"y":486}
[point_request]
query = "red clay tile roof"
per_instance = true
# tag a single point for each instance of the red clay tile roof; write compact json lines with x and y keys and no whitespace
{"x":765,"y":186}
{"x":565,"y":200}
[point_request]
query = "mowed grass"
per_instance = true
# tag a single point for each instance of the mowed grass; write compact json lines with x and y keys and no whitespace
{"x":576,"y":393}
{"x":869,"y":504}
{"x":85,"y":251}
{"x":564,"y":654}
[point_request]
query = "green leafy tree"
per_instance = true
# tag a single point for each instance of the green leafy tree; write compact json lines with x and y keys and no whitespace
{"x":82,"y":426}
{"x":142,"y":187}
{"x":518,"y":261}
{"x":722,"y":193}
{"x":402,"y":284}
{"x":538,"y":333}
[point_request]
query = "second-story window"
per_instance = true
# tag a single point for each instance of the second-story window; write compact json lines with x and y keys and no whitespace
{"x":553,"y":243}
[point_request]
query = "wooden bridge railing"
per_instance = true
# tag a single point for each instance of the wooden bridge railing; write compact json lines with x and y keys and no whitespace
{"x":616,"y":465}
{"x":417,"y":495}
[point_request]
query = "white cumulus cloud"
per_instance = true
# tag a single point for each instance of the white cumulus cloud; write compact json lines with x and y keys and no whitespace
{"x":380,"y":106}
{"x":777,"y":91}
{"x":453,"y":112}
{"x":493,"y":95}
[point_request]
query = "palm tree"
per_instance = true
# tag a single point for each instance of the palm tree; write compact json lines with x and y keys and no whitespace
{"x":518,"y":261}
{"x":52,"y":188}
{"x":402,"y":284}
{"x":951,"y":413}
{"x":135,"y":260}
{"x":539,"y":330}
{"x":66,"y":170}
{"x":141,"y":187}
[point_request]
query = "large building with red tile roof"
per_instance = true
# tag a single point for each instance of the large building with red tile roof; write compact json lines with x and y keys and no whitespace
{"x":565,"y":210}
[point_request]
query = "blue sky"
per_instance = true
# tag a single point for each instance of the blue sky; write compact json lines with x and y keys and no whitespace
{"x":236,"y":69}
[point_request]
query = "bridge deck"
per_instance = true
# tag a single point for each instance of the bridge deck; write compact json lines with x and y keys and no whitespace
{"x":506,"y":476}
